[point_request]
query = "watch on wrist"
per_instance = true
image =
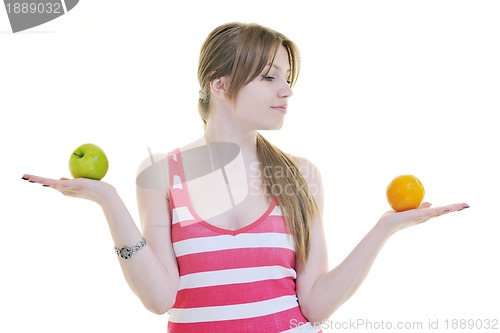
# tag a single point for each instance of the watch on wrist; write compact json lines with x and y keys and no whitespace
{"x":126,"y":252}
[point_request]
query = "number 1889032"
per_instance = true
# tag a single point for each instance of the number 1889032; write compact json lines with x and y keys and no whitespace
{"x":34,"y":8}
{"x":471,"y":324}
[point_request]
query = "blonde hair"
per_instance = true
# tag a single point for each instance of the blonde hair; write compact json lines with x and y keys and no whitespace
{"x":240,"y":52}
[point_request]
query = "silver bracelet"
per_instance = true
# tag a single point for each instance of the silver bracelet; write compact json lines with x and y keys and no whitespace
{"x":126,"y":251}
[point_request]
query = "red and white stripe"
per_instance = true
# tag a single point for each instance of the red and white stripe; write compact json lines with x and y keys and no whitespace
{"x":232,"y":280}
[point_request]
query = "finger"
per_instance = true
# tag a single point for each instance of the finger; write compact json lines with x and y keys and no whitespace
{"x":439,"y":211}
{"x":27,"y":177}
{"x":454,"y":207}
{"x":48,"y":182}
{"x":36,"y":179}
{"x":425,"y":205}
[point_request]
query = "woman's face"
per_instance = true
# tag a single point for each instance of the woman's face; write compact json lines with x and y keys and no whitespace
{"x":262,"y":103}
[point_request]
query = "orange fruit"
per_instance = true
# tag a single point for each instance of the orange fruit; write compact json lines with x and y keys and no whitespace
{"x":405,"y":192}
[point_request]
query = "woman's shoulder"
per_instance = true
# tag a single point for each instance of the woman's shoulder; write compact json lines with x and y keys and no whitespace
{"x":305,"y":166}
{"x":153,"y":170}
{"x":308,"y":170}
{"x":153,"y":174}
{"x":312,"y":177}
{"x":201,"y":142}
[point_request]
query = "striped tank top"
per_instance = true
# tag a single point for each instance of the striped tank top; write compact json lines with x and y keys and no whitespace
{"x":231,"y":280}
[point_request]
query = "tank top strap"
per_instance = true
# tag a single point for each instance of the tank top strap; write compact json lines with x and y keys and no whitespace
{"x":177,"y":179}
{"x":179,"y":198}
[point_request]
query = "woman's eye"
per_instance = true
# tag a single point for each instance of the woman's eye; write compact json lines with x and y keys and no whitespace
{"x":269,"y":78}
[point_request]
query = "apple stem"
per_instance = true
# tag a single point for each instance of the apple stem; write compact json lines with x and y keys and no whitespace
{"x":78,"y":155}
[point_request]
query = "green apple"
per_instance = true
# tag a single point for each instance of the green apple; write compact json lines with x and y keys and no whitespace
{"x":88,"y":161}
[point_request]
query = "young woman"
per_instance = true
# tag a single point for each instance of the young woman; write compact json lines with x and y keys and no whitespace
{"x":232,"y":234}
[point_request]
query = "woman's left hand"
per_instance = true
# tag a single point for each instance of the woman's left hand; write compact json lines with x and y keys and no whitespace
{"x":396,"y":221}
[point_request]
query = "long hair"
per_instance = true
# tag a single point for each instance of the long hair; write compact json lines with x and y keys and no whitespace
{"x":241,"y":52}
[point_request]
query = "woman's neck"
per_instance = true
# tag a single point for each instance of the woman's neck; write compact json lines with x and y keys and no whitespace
{"x":223,"y":131}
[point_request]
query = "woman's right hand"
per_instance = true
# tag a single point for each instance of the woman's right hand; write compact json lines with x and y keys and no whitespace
{"x":94,"y":190}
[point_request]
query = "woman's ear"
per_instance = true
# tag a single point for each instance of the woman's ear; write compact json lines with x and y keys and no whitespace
{"x":218,"y":87}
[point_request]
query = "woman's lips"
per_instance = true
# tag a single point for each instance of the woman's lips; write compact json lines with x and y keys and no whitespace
{"x":281,"y":108}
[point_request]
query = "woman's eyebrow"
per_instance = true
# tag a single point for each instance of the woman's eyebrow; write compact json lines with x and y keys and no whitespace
{"x":278,"y":68}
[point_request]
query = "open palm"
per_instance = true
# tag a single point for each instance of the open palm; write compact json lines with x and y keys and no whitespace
{"x":89,"y":189}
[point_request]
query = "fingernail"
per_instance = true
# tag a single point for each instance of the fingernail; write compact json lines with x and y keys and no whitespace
{"x":45,"y":185}
{"x":24,"y":178}
{"x":31,"y":181}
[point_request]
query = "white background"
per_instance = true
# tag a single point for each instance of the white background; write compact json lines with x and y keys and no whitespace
{"x":386,"y":88}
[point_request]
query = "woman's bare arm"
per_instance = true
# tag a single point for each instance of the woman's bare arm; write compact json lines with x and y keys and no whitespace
{"x":321,"y":291}
{"x":152,"y":272}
